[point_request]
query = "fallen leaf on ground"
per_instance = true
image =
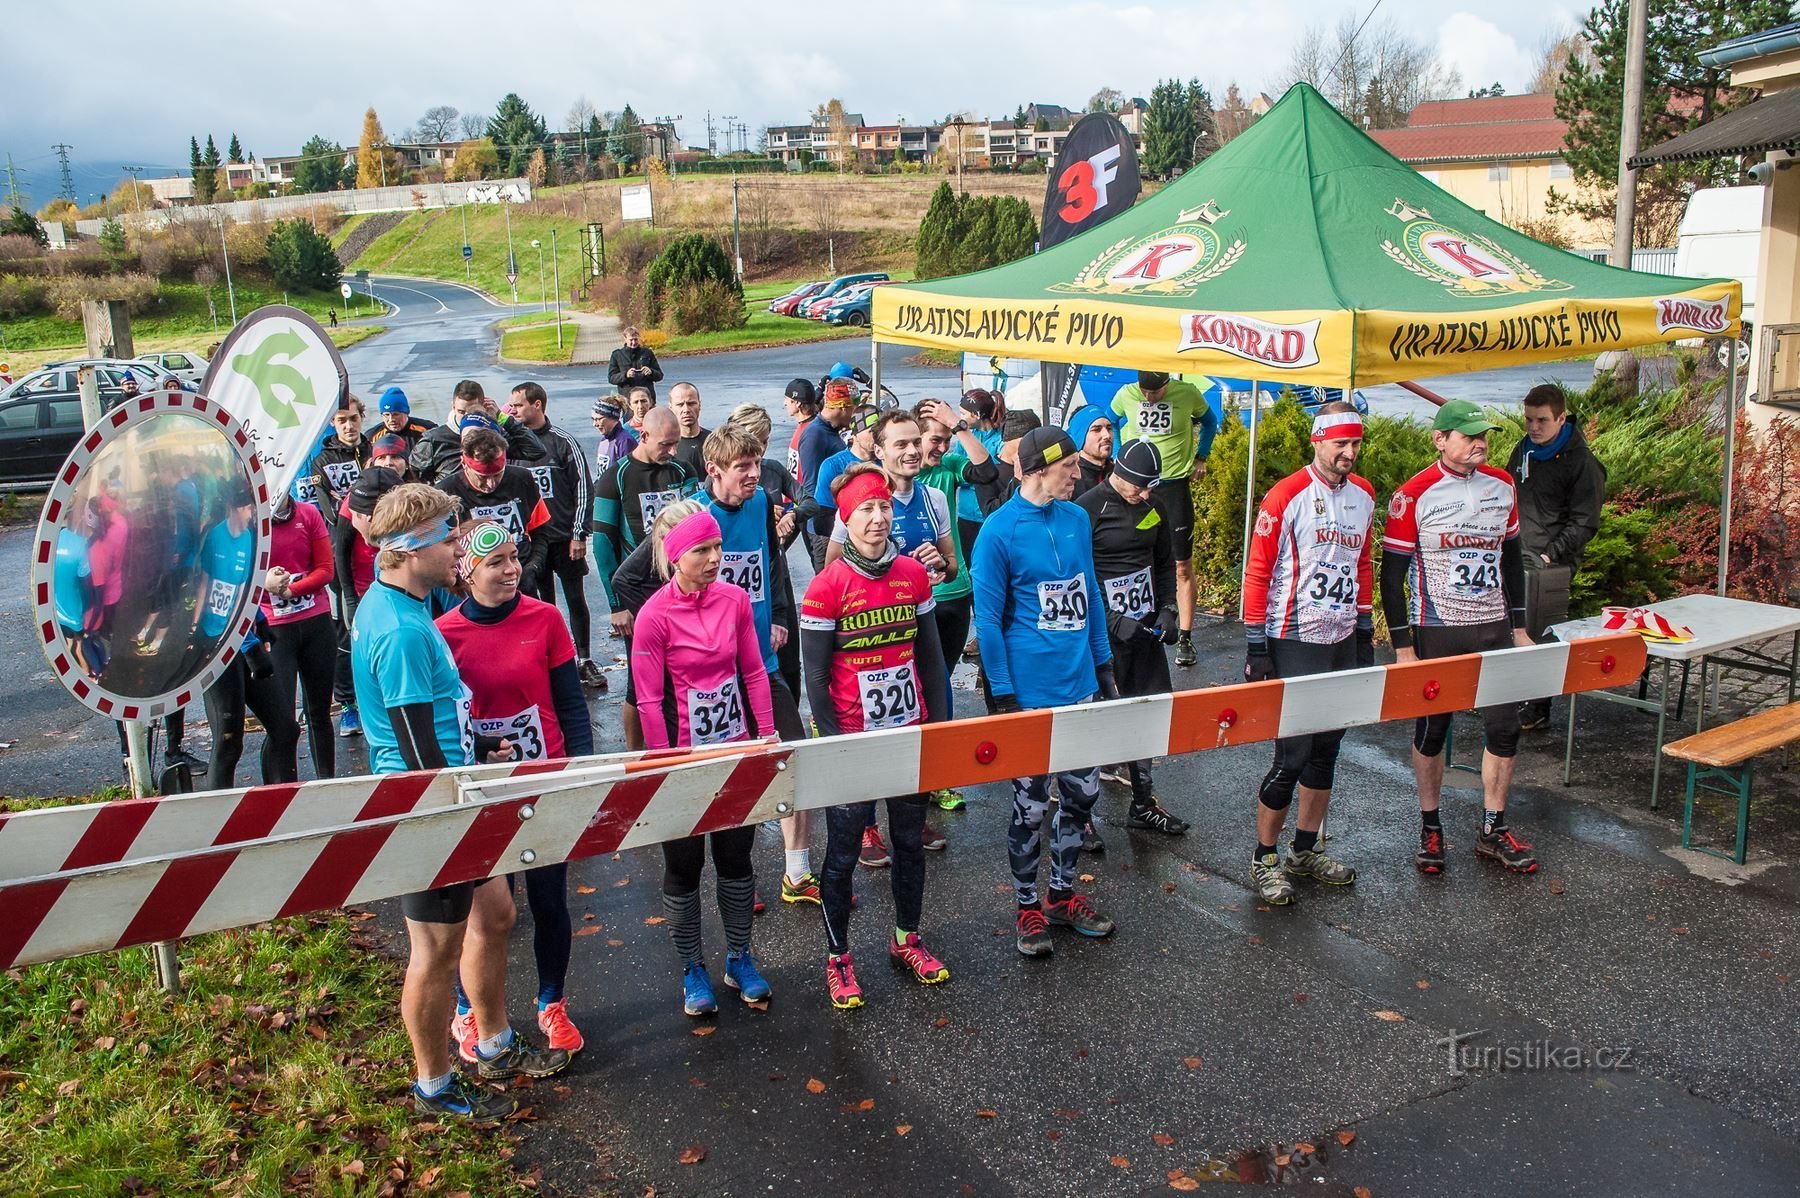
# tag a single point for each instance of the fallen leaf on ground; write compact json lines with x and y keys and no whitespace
{"x":696,"y":1083}
{"x":867,"y":1104}
{"x":1681,"y":931}
{"x":562,"y":1091}
{"x":1168,"y":888}
{"x":1065,"y":1113}
{"x":1303,"y":1146}
{"x":1120,"y":1162}
{"x":1163,"y":1139}
{"x":584,"y":890}
{"x":942,"y":1022}
{"x":1361,"y":1192}
{"x":758,"y":1006}
{"x":1191,"y":1062}
{"x":623,"y":882}
{"x":429,"y":1177}
{"x":1389,"y":1016}
{"x":1346,"y":1137}
{"x":1184,"y":1184}
{"x":653,"y":920}
{"x":1053,"y":1135}
{"x":1253,"y":939}
{"x":1085,"y":878}
{"x":1299,"y":997}
{"x":1422,"y":984}
{"x":590,"y":930}
{"x":705,"y":1029}
{"x":354,"y":1169}
{"x":1556,"y":886}
{"x":69,"y":1087}
{"x":1284,"y":1160}
{"x":814,"y":1086}
{"x":984,"y":1113}
{"x":901,"y":1129}
{"x":693,"y":1154}
{"x":615,"y":944}
{"x":588,"y":918}
{"x":105,"y":1042}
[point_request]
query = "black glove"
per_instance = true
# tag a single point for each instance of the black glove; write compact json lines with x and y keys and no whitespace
{"x":1258,"y":665}
{"x":1122,"y":628}
{"x":259,"y":661}
{"x":1365,"y":647}
{"x":1109,"y":685}
{"x":1006,"y":704}
{"x":1168,"y":625}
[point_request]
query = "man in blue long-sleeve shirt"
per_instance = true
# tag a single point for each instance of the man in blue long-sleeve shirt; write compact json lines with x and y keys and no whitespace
{"x":1039,"y":616}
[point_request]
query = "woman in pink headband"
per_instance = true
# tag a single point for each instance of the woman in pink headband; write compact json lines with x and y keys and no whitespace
{"x":697,"y":668}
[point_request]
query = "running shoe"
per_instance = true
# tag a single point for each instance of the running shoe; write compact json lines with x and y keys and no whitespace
{"x":697,"y":991}
{"x":1502,"y":846}
{"x":742,"y":975}
{"x":916,"y":957}
{"x":757,"y":906}
{"x":805,"y":890}
{"x":1184,"y":650}
{"x":1156,"y":818}
{"x":1431,"y":851}
{"x":592,"y":676}
{"x":840,"y":983}
{"x":1118,"y":775}
{"x":350,"y":724}
{"x":462,"y":1031}
{"x":464,"y":1100}
{"x":971,"y":651}
{"x":1034,"y":933}
{"x":1090,"y":839}
{"x":558,"y":1028}
{"x":1076,"y":912}
{"x":520,"y":1059}
{"x":1320,"y":867}
{"x":1271,"y":885}
{"x":1533,"y":716}
{"x":179,"y":755}
{"x":947,"y":800}
{"x":932,"y":840}
{"x":874,"y":853}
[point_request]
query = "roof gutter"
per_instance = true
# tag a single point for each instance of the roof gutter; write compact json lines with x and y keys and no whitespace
{"x":1787,"y":37}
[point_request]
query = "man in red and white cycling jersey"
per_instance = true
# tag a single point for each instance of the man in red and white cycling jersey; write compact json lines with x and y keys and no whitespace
{"x":1453,"y":581}
{"x":1308,"y":609}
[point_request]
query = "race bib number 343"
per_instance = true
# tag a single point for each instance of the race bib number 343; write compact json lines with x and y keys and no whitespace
{"x":1063,"y":605}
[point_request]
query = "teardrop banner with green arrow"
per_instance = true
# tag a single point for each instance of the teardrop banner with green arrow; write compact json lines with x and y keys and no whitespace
{"x":281,"y":376}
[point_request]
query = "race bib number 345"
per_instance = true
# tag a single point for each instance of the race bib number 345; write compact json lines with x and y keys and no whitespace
{"x":1063,"y":605}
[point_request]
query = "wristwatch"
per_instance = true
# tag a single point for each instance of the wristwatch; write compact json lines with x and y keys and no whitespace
{"x":962,"y":426}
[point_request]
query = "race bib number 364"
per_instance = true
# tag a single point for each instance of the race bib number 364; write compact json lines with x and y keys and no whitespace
{"x":1130,"y":595}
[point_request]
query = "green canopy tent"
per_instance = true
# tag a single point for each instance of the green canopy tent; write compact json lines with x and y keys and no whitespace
{"x":1303,"y":252}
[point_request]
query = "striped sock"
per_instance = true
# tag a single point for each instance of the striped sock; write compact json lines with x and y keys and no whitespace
{"x":684,"y":923}
{"x":737,"y":897}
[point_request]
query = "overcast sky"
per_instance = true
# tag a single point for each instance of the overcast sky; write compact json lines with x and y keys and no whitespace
{"x":277,"y":74}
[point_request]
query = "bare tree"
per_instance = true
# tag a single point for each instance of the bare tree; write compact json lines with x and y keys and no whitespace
{"x":758,"y":209}
{"x":1555,"y":53}
{"x":1373,"y":74}
{"x":1107,"y":99}
{"x":823,"y":205}
{"x":474,"y":125}
{"x":438,"y":123}
{"x":579,"y":114}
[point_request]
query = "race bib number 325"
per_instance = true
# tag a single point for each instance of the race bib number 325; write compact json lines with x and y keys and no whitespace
{"x":1063,"y":605}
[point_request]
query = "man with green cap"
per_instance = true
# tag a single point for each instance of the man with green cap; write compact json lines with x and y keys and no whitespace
{"x":1452,"y":582}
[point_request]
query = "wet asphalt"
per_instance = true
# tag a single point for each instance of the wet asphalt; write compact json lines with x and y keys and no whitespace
{"x":1627,"y":1014}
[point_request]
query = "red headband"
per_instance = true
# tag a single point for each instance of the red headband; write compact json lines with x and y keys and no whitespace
{"x":871,"y":484}
{"x":486,"y":469}
{"x":1331,"y":426}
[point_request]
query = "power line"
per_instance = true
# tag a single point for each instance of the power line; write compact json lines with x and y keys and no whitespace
{"x":1351,"y":43}
{"x":68,"y":178}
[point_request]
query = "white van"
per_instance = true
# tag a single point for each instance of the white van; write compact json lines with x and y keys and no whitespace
{"x":1721,"y":238}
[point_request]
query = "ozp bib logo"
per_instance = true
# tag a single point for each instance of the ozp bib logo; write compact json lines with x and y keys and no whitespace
{"x":1465,"y":264}
{"x":1172,"y":261}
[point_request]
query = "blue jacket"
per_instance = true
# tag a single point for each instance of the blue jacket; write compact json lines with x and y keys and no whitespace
{"x":1039,"y":614}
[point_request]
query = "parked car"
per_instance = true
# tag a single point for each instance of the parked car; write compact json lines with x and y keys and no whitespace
{"x":57,"y":379}
{"x":853,"y":308}
{"x":190,"y":368}
{"x":783,"y":305}
{"x":813,"y":306}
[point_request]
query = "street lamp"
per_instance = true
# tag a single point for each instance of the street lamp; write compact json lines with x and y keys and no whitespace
{"x":543,"y":296}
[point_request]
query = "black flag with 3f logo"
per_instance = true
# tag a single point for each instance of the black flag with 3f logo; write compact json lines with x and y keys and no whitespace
{"x":1095,"y":178}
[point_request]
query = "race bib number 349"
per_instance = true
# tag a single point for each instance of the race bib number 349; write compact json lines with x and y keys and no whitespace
{"x":744,"y":571}
{"x":1063,"y":605}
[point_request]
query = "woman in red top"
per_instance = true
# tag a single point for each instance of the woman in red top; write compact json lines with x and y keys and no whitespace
{"x":302,"y":637}
{"x":870,"y":647}
{"x":515,"y":656}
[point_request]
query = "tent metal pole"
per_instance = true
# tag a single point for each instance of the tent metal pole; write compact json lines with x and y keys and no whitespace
{"x":1730,"y":456}
{"x":1250,"y":478}
{"x":875,"y":372}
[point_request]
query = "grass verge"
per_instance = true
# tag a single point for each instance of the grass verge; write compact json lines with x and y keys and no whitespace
{"x":763,"y":328}
{"x":26,"y":361}
{"x":281,"y":1068}
{"x":537,"y":343}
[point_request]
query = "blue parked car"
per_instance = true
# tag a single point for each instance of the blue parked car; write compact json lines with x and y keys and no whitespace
{"x":853,"y":308}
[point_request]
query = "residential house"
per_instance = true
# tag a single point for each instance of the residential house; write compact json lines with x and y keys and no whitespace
{"x":1501,"y":155}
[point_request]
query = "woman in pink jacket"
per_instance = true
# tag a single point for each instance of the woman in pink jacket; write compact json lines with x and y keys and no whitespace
{"x":697,"y":669}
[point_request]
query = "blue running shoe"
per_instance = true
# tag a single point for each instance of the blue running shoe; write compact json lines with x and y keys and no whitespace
{"x":349,"y":723}
{"x":696,"y":990}
{"x":742,"y":975}
{"x":464,"y":1100}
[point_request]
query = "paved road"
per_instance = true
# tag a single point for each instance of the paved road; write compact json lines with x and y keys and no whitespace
{"x":1234,"y":1031}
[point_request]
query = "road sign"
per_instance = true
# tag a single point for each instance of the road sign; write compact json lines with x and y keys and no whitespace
{"x":344,"y":290}
{"x":468,"y":252}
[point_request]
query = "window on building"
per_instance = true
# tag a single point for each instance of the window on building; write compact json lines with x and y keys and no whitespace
{"x":1499,"y":172}
{"x":1560,"y":169}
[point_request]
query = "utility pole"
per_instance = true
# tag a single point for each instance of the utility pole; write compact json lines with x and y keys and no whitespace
{"x":137,"y":200}
{"x":556,"y":273}
{"x":68,"y":179}
{"x":711,"y":145}
{"x":959,"y":125}
{"x":464,"y":209}
{"x":1626,"y":215}
{"x":219,"y":216}
{"x":737,"y":242}
{"x":730,"y":124}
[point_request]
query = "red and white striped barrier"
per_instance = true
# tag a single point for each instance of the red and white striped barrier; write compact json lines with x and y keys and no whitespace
{"x":184,"y":865}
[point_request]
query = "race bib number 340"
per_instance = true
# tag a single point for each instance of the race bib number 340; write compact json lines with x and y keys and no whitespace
{"x":1063,"y":605}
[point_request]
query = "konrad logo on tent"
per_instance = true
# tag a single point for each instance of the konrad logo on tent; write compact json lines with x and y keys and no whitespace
{"x":1282,"y":346}
{"x":1172,"y":261}
{"x":1702,"y":316}
{"x":1466,"y":264}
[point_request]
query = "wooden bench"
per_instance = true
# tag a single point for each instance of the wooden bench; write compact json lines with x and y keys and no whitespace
{"x":1719,"y":759}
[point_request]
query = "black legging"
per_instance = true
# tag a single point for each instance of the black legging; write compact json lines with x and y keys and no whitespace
{"x":343,"y":687}
{"x":306,"y":652}
{"x":559,"y":566}
{"x":225,"y":702}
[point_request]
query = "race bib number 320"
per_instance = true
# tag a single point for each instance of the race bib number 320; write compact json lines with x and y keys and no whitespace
{"x":1063,"y":605}
{"x":716,"y":716}
{"x":890,"y":698}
